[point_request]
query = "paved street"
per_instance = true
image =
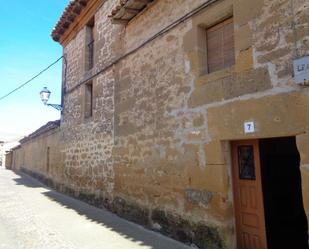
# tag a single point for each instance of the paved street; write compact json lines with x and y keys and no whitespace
{"x":35,"y":217}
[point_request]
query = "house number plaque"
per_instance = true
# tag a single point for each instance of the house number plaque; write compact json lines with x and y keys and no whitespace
{"x":249,"y":127}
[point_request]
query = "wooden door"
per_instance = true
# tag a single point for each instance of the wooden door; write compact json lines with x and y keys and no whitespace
{"x":248,"y":197}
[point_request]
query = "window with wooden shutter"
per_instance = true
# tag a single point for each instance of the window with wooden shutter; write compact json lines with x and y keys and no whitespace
{"x":220,"y":46}
{"x":89,"y":44}
{"x":88,"y":100}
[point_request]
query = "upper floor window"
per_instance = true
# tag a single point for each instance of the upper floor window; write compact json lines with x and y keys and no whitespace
{"x":89,"y":44}
{"x":220,"y":46}
{"x":88,"y":104}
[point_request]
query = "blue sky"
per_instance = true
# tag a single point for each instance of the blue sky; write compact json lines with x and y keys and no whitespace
{"x":26,"y":48}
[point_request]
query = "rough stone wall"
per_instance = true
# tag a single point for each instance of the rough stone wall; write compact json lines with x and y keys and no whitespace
{"x":108,"y":38}
{"x":156,"y":146}
{"x":280,"y":35}
{"x":88,"y":144}
{"x":75,"y":56}
{"x":41,"y":156}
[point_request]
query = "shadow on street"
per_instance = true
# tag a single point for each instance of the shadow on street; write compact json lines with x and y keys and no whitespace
{"x":105,"y":218}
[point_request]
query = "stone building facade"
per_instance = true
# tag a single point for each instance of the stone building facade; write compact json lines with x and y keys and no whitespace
{"x":184,"y":116}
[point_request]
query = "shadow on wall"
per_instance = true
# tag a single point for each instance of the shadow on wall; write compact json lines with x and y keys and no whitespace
{"x":109,"y":220}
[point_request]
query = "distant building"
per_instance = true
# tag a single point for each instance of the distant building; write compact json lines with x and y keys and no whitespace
{"x":2,"y":159}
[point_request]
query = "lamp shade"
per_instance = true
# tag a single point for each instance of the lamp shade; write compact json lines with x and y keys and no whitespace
{"x":44,"y":94}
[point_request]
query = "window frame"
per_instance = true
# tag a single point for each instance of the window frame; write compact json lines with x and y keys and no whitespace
{"x":89,"y":44}
{"x":88,"y":100}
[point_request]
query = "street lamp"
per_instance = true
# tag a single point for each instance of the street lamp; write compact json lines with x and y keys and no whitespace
{"x":45,"y":94}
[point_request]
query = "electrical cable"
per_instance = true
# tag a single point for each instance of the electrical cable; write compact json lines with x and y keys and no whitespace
{"x":162,"y":32}
{"x":28,"y":81}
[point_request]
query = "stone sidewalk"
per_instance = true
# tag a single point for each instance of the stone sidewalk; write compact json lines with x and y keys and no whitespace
{"x":33,"y":216}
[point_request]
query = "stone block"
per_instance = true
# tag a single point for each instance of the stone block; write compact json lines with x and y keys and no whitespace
{"x":125,"y":105}
{"x":120,"y":151}
{"x":207,"y":93}
{"x":213,"y":178}
{"x":125,"y":129}
{"x":215,"y":76}
{"x":273,"y":54}
{"x":246,"y":82}
{"x":217,"y":178}
{"x":302,"y":142}
{"x":244,"y":60}
{"x":272,"y":116}
{"x":246,"y":10}
{"x":191,"y":40}
{"x":197,"y":61}
{"x":220,"y":207}
{"x":227,"y":83}
{"x":214,"y":13}
{"x":198,"y":121}
{"x":214,"y":153}
{"x":243,"y":38}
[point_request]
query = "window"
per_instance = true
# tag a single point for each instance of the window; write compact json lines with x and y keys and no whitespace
{"x":220,"y":46}
{"x":88,"y":100}
{"x":246,"y":162}
{"x":89,"y":44}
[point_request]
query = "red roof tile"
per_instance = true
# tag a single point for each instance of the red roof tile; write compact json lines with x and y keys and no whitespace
{"x":73,"y":9}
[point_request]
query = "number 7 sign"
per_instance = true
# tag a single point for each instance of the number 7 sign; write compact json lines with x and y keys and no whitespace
{"x":249,"y":127}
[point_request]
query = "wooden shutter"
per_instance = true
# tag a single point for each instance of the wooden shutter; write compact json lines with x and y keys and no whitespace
{"x":90,"y":44}
{"x":220,"y":46}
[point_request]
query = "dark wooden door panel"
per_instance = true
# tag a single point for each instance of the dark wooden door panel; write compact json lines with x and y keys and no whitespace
{"x":248,"y":197}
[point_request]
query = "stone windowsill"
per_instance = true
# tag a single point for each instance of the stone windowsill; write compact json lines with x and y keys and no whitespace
{"x":217,"y":75}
